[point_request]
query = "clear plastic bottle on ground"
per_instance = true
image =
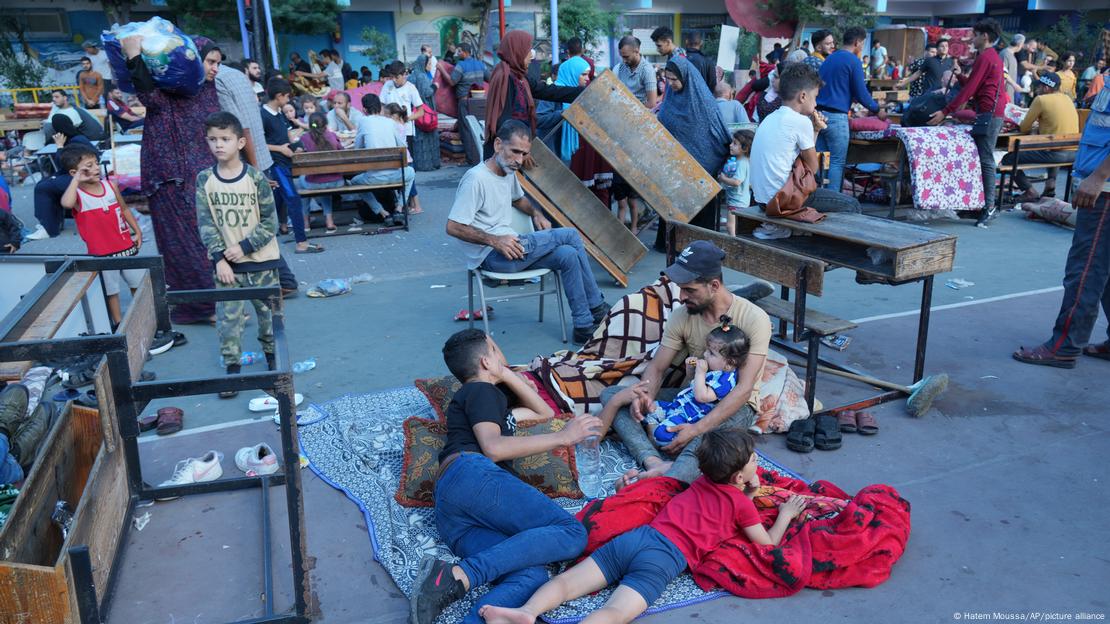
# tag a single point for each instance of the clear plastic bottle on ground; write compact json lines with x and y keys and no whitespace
{"x":304,"y":365}
{"x":587,"y":457}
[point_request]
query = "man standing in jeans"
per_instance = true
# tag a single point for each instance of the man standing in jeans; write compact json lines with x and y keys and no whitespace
{"x":1087,"y":273}
{"x":482,"y":219}
{"x":844,"y":83}
{"x":983,"y":87}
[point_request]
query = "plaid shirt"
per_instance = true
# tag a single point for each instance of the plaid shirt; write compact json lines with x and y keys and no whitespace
{"x":237,"y":97}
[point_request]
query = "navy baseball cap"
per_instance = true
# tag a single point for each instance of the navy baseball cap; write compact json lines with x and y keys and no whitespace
{"x":698,"y":259}
{"x":1050,"y":79}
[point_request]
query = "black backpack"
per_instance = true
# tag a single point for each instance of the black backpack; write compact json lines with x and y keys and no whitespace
{"x":922,"y":107}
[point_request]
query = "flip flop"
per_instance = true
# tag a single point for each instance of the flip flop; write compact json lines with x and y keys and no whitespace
{"x":799,"y":438}
{"x":311,"y":249}
{"x":479,"y":314}
{"x":1043,"y":357}
{"x":1100,"y":351}
{"x":827,"y":434}
{"x":847,"y":421}
{"x":463,"y":315}
{"x":269,"y":403}
{"x":866,"y":423}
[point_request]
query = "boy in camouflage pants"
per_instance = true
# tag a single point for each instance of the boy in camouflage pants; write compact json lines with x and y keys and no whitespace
{"x":237,"y":221}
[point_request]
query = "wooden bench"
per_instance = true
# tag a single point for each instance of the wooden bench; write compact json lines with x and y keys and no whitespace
{"x":1035,"y":142}
{"x":806,"y":276}
{"x":349,"y":163}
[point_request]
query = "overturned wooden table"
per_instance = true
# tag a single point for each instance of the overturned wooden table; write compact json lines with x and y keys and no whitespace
{"x":879,"y":250}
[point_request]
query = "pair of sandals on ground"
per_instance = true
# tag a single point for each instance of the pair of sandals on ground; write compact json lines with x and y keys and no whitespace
{"x":1042,"y":356}
{"x":823,"y":432}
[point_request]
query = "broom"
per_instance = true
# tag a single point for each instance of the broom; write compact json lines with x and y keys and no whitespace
{"x":920,"y":395}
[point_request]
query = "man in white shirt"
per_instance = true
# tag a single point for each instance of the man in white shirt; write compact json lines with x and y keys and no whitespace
{"x":878,"y":59}
{"x":790,"y":133}
{"x":343,"y":117}
{"x":334,"y":70}
{"x":376,"y":131}
{"x":100,"y":63}
{"x":399,"y":90}
{"x":482,"y":216}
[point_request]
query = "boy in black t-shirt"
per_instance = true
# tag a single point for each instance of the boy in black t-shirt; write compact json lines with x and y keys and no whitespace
{"x":505,"y":530}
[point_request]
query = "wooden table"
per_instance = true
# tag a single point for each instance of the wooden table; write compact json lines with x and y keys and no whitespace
{"x":906,"y":253}
{"x":20,"y":124}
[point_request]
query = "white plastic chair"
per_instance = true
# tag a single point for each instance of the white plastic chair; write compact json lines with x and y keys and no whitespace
{"x":522,"y":223}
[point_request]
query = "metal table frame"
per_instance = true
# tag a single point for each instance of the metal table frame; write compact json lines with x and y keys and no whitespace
{"x":132,"y":397}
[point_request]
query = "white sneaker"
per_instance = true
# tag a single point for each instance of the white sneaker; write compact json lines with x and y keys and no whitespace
{"x":38,"y":234}
{"x":195,"y":470}
{"x":257,"y":460}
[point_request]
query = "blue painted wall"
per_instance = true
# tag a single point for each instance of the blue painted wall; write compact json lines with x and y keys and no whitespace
{"x":351,"y":24}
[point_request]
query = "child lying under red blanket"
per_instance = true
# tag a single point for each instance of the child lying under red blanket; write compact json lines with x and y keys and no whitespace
{"x":758,"y":549}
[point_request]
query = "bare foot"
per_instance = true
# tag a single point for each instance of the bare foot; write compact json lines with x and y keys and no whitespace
{"x":505,"y":615}
{"x":654,"y":467}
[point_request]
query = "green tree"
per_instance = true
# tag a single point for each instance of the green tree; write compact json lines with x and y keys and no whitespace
{"x":583,"y":19}
{"x":117,"y":11}
{"x":19,"y":67}
{"x":219,"y":19}
{"x":1081,"y":38}
{"x":380,"y":47}
{"x":838,"y":14}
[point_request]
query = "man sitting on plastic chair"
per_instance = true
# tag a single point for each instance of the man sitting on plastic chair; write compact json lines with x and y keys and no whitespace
{"x":482,"y":219}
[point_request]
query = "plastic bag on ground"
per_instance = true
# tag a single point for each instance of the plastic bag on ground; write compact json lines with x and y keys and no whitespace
{"x":170,"y":54}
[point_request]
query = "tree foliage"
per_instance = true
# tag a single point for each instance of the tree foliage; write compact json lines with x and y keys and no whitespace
{"x":837,"y":14}
{"x":117,"y":11}
{"x":1081,"y":37}
{"x":583,"y":19}
{"x":19,"y":65}
{"x":380,"y":47}
{"x":219,"y":19}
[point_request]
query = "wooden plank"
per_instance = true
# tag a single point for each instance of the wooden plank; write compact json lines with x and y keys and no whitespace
{"x":560,"y":218}
{"x":593,"y":219}
{"x":138,"y":326}
{"x":818,"y":322}
{"x":937,"y":257}
{"x":32,"y":594}
{"x":756,"y":259}
{"x":100,"y":515}
{"x":859,"y":228}
{"x":368,"y":155}
{"x":640,"y":149}
{"x":1043,"y":141}
{"x":48,"y":321}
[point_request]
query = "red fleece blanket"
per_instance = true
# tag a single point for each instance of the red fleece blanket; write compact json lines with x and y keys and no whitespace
{"x":856,"y":547}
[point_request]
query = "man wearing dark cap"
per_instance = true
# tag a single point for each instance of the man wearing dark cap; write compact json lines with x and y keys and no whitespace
{"x":704,"y":298}
{"x":1056,"y":114}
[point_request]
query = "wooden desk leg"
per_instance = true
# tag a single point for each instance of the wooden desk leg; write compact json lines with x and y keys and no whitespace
{"x":923,"y":328}
{"x":811,"y":369}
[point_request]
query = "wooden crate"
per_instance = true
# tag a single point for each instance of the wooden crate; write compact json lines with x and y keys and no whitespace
{"x":36,"y":580}
{"x":82,"y":462}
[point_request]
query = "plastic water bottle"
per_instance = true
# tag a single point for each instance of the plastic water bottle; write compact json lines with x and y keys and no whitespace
{"x":304,"y":365}
{"x":250,"y":357}
{"x":587,"y":456}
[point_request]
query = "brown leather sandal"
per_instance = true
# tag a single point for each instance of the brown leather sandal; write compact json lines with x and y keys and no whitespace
{"x":847,"y":421}
{"x":170,"y":420}
{"x":1100,"y":351}
{"x":866,"y":423}
{"x":1043,"y":357}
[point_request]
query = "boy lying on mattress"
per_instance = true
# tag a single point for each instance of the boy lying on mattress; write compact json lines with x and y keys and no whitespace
{"x":715,"y":508}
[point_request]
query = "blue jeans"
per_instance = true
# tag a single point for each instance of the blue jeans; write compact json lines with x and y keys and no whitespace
{"x":285,"y":195}
{"x":560,"y":250}
{"x":385,"y":177}
{"x":10,"y":471}
{"x":48,"y":202}
{"x":325,"y":200}
{"x":505,"y":530}
{"x":1086,"y":280}
{"x":834,"y":140}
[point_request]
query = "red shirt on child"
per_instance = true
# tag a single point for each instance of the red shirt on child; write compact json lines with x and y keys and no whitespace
{"x":100,"y":222}
{"x":704,"y":515}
